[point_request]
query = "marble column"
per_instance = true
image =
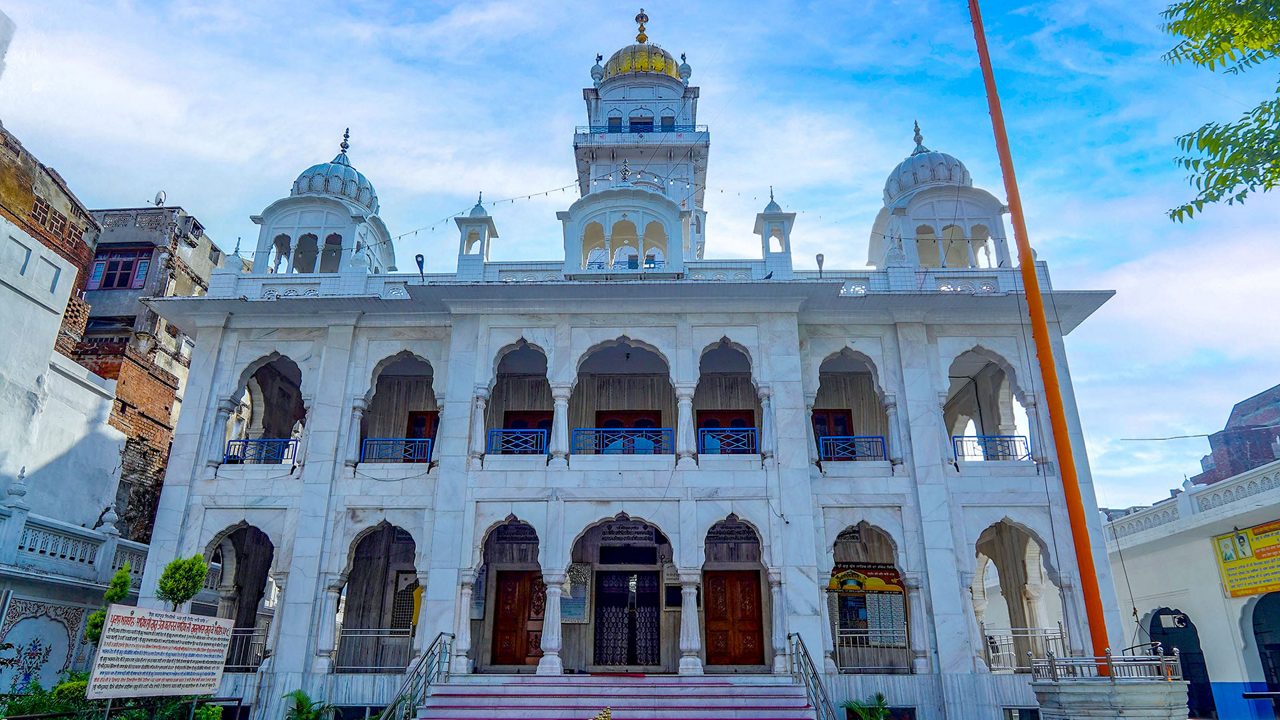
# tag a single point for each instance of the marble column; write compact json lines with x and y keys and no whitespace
{"x":227,"y":601}
{"x":916,"y":624}
{"x":894,"y":441}
{"x":273,"y":632}
{"x":1035,"y":438}
{"x":462,"y":634}
{"x":973,"y":260}
{"x":767,"y":439}
{"x":778,"y":623}
{"x":560,"y":425}
{"x":476,"y":452}
{"x":690,"y":630}
{"x":327,"y":623}
{"x":942,"y":253}
{"x":358,"y":406}
{"x":809,"y":401}
{"x":218,"y":433}
{"x":686,"y":442}
{"x":550,"y":663}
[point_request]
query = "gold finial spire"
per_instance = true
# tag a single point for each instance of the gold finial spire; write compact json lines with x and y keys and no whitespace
{"x":344,"y":145}
{"x":919,"y":138}
{"x":641,"y":19}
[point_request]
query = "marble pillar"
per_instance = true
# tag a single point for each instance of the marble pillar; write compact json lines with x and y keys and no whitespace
{"x":690,"y":630}
{"x":476,"y":451}
{"x":814,"y":451}
{"x":916,"y":635}
{"x":462,"y":633}
{"x":894,"y":440}
{"x":327,"y":623}
{"x":218,"y":433}
{"x":686,"y":441}
{"x":354,"y":440}
{"x":778,"y":623}
{"x":767,"y":439}
{"x":550,"y":663}
{"x":560,"y":425}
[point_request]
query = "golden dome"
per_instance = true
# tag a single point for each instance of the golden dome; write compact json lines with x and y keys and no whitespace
{"x":642,"y":58}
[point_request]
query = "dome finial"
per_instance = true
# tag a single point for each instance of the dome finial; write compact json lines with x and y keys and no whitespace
{"x":770,"y":193}
{"x":344,"y":145}
{"x":641,"y":19}
{"x":919,"y":138}
{"x":480,"y":198}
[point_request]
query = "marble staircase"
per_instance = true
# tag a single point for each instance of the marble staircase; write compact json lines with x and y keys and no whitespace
{"x":651,"y":697}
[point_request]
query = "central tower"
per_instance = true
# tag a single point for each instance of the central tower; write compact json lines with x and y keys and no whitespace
{"x":642,"y":118}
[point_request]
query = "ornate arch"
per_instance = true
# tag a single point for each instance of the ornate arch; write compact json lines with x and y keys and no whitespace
{"x":359,"y":537}
{"x":387,"y":361}
{"x":618,"y":341}
{"x":477,"y":548}
{"x":704,"y":527}
{"x":256,"y":365}
{"x":996,"y":358}
{"x":859,"y":356}
{"x":509,"y":348}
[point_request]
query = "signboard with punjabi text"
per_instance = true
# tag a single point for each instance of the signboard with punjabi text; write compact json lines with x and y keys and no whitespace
{"x":148,"y":653}
{"x":1249,"y":559}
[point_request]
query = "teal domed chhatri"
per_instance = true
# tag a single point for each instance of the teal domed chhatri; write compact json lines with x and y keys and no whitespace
{"x":337,"y":178}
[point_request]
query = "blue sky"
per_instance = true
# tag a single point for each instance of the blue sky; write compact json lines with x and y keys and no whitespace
{"x":223,"y":104}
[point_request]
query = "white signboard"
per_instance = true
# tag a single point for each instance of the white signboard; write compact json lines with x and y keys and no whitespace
{"x":145,"y":653}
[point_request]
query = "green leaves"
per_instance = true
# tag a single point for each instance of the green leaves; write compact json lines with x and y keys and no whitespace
{"x":1227,"y":161}
{"x":181,"y":580}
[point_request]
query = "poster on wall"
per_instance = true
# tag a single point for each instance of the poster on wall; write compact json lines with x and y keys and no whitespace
{"x":870,"y":597}
{"x":574,"y":601}
{"x":149,"y":653}
{"x":1249,"y":559}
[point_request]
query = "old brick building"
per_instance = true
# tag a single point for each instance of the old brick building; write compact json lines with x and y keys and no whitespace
{"x":34,"y":197}
{"x":153,"y":251}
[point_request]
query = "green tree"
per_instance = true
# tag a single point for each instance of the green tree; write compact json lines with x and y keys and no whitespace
{"x":116,"y":592}
{"x":1227,"y":161}
{"x":181,"y":580}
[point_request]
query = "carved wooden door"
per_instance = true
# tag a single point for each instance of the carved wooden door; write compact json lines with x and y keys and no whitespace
{"x":734,"y":617}
{"x":519,"y":601}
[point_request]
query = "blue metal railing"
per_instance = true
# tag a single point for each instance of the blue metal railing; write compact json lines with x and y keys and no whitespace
{"x":623,"y":441}
{"x":991,"y":447}
{"x":637,"y":129}
{"x":728,"y":441}
{"x":851,"y":447}
{"x":627,"y":265}
{"x":395,"y":450}
{"x":263,"y":451}
{"x":517,"y":442}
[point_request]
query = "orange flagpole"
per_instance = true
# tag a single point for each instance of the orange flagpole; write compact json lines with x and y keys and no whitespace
{"x":1044,"y":355}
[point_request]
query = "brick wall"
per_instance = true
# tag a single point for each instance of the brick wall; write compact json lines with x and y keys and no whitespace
{"x":143,"y":410}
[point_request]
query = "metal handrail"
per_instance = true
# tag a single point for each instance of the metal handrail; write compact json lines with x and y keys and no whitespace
{"x":261,"y":451}
{"x":623,"y":441}
{"x":431,"y":668}
{"x":506,"y":441}
{"x":636,"y":130}
{"x":728,"y":441}
{"x":851,"y":447}
{"x":991,"y":447}
{"x":806,"y":673}
{"x":396,"y":450}
{"x":1109,"y":668}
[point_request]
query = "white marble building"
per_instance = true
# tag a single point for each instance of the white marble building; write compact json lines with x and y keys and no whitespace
{"x":634,"y":457}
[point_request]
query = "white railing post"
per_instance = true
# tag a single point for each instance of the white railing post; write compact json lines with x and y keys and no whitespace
{"x":15,"y":501}
{"x":107,"y":550}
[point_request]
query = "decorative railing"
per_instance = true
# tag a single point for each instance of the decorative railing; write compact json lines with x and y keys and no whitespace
{"x":634,"y":265}
{"x":879,"y":650}
{"x":373,"y":650}
{"x":851,"y":447}
{"x":395,"y":450}
{"x":623,"y":441}
{"x":247,"y":650}
{"x":1197,"y":499}
{"x":135,"y":554}
{"x":728,"y":441}
{"x":1013,"y":649}
{"x":74,"y":550}
{"x":1110,"y":667}
{"x":637,"y":129}
{"x":517,"y":442}
{"x":806,"y":673}
{"x":431,"y":668}
{"x":263,"y":451}
{"x":991,"y":447}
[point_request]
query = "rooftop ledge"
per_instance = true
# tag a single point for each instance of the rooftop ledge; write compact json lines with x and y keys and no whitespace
{"x":888,"y":295}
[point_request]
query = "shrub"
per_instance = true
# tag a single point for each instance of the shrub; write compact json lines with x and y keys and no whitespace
{"x":181,"y":580}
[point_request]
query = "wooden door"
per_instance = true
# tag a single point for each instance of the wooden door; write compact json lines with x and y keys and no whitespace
{"x":422,"y":425}
{"x":527,"y":420}
{"x":517,"y":620}
{"x":734,"y":617}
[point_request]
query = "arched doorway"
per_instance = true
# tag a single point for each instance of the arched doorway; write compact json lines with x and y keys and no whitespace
{"x":867,"y":603}
{"x":378,"y":609}
{"x":511,"y":639}
{"x":628,"y":630}
{"x":246,"y":594}
{"x":1266,"y":633}
{"x":1174,"y":630}
{"x":734,"y":584}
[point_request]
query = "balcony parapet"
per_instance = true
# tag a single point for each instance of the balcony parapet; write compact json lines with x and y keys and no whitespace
{"x":61,"y":552}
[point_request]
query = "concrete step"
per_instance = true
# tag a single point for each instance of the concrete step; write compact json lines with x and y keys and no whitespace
{"x":656,"y":697}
